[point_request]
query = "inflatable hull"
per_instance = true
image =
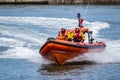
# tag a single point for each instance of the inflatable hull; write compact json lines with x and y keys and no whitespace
{"x":60,"y":50}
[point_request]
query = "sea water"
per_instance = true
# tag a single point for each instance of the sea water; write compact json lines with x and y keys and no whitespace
{"x":25,"y":28}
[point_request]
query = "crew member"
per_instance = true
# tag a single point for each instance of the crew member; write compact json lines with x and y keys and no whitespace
{"x":70,"y":35}
{"x":83,"y":36}
{"x":62,"y":34}
{"x":77,"y":35}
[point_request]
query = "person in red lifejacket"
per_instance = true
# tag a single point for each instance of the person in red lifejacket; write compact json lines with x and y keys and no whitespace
{"x":80,"y":20}
{"x":77,"y":35}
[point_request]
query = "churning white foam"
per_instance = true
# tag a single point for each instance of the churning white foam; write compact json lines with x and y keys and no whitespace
{"x":96,"y":26}
{"x":109,"y":55}
{"x":21,"y":48}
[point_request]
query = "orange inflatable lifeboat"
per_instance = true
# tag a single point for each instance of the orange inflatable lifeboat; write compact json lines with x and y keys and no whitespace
{"x":61,"y":50}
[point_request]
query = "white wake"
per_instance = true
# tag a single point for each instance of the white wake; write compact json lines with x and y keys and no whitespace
{"x":24,"y":41}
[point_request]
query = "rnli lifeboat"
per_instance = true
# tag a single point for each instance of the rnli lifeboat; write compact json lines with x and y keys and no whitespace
{"x":59,"y":50}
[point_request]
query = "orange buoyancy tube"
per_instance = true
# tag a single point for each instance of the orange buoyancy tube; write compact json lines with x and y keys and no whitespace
{"x":84,"y":29}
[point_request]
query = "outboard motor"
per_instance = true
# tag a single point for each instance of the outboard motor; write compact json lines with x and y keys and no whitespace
{"x":90,"y":38}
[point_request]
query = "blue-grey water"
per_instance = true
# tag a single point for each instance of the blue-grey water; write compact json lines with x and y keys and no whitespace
{"x":25,"y":28}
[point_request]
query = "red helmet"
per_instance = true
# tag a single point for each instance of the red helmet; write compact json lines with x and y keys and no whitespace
{"x":63,"y":30}
{"x":77,"y":30}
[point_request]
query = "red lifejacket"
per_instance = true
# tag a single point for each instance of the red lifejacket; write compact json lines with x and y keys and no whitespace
{"x":77,"y":35}
{"x":81,"y":21}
